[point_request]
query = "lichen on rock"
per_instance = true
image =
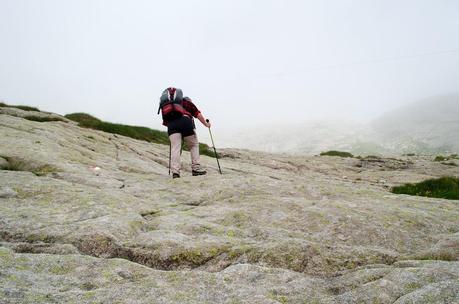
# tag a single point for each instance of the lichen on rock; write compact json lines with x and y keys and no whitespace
{"x":271,"y":229}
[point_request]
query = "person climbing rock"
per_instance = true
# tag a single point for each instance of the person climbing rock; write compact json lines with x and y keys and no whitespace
{"x":177,"y":113}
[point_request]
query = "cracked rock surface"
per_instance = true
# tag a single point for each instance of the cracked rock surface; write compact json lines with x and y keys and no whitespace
{"x":93,"y":217}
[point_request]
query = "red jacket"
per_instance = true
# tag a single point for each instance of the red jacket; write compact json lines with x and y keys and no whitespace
{"x":188,"y":108}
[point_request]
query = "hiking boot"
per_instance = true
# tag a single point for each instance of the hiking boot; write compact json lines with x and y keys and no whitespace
{"x":198,"y":172}
{"x":175,"y":175}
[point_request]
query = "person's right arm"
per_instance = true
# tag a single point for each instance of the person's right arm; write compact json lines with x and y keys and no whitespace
{"x":203,"y":120}
{"x":191,"y":107}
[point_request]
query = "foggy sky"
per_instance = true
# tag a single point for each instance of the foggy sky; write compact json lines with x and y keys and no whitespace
{"x":243,"y":62}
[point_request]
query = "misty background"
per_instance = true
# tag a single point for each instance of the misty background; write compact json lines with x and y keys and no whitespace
{"x":314,"y":72}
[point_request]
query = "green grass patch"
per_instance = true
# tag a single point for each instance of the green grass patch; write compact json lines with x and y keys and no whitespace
{"x":84,"y":120}
{"x":24,"y":108}
{"x":142,"y":133}
{"x":206,"y":150}
{"x":42,"y":119}
{"x":409,"y":154}
{"x":444,"y":187}
{"x":336,"y":153}
{"x":441,"y":158}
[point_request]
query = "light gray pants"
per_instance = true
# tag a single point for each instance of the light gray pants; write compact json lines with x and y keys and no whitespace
{"x":176,"y":144}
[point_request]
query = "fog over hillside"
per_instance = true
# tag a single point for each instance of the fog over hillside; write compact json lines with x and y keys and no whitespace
{"x":432,"y":123}
{"x":302,"y":138}
{"x":426,"y":126}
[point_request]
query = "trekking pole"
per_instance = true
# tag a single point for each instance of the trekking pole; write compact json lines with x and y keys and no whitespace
{"x":170,"y":155}
{"x":215,"y":150}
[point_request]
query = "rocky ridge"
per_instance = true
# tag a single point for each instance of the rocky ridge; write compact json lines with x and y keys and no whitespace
{"x":92,"y":217}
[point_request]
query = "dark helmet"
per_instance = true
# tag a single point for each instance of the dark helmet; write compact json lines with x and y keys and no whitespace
{"x":171,"y":95}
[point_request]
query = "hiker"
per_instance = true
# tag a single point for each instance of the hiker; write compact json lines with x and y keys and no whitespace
{"x":178,"y":112}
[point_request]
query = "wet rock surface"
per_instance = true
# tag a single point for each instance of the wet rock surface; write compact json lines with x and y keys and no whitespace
{"x":96,"y":219}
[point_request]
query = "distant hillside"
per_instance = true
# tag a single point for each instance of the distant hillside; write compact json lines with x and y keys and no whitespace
{"x":304,"y":138}
{"x":430,"y":125}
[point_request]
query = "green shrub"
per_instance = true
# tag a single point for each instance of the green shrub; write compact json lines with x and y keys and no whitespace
{"x":24,"y":108}
{"x":444,"y":187}
{"x":409,"y":154}
{"x":371,"y":156}
{"x":336,"y":153}
{"x":42,"y":119}
{"x":142,"y":133}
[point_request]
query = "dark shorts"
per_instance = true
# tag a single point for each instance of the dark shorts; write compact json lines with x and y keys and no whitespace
{"x":183,"y":125}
